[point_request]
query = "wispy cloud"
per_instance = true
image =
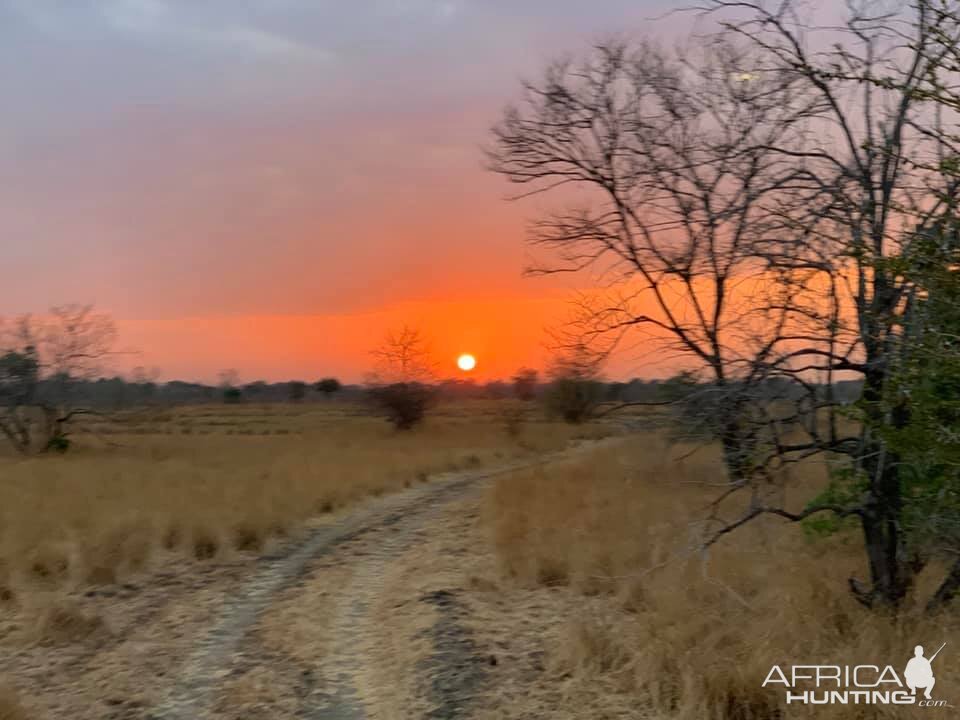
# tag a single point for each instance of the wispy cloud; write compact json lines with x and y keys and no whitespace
{"x":261,"y":42}
{"x":182,"y":24}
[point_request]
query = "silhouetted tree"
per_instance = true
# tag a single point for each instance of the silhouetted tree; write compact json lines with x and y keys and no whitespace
{"x":19,"y":379}
{"x":525,"y":384}
{"x":256,"y":389}
{"x":399,"y":383}
{"x":575,"y":389}
{"x":297,"y":390}
{"x":229,"y":381}
{"x":663,"y":167}
{"x":42,"y":363}
{"x":877,"y":185}
{"x":328,"y":386}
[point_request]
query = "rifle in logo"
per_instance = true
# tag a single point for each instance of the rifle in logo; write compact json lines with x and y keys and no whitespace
{"x":919,"y":672}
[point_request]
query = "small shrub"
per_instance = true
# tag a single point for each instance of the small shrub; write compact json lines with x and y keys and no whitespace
{"x":247,"y":538}
{"x":328,"y":386}
{"x":512,"y":418}
{"x":205,"y":544}
{"x":573,"y":399}
{"x":525,"y":384}
{"x":297,"y":390}
{"x":49,"y":563}
{"x":405,"y":404}
{"x":58,"y":443}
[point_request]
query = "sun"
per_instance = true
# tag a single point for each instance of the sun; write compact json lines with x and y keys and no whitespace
{"x":466,"y":362}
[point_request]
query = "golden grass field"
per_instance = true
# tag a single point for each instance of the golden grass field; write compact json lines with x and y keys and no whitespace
{"x":676,"y":633}
{"x":200,"y":483}
{"x":652,"y":624}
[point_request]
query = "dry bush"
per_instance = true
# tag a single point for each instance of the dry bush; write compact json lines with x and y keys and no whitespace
{"x":687,"y":636}
{"x":101,"y":515}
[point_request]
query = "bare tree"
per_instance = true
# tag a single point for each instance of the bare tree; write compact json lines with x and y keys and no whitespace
{"x":399,"y":382}
{"x":669,"y":160}
{"x":877,"y":179}
{"x":404,"y":356}
{"x":43,"y":360}
{"x":761,"y":207}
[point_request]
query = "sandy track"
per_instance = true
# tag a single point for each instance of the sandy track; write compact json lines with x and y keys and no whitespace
{"x":309,"y":635}
{"x":371,"y":613}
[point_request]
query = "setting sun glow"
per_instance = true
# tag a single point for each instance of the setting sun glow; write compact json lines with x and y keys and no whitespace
{"x":466,"y":362}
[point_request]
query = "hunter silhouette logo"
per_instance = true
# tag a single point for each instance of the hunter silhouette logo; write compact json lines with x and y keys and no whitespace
{"x":919,"y":672}
{"x":859,"y":684}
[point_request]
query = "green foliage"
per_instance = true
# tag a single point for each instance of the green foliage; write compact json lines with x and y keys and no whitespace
{"x":232,"y":395}
{"x":822,"y":525}
{"x":58,"y":443}
{"x":924,"y":399}
{"x":845,"y":489}
{"x":917,"y":416}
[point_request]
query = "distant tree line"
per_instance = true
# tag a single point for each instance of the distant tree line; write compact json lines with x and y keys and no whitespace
{"x":116,"y":393}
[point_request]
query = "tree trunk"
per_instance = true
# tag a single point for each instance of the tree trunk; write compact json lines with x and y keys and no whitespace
{"x":948,"y":589}
{"x":890,"y":574}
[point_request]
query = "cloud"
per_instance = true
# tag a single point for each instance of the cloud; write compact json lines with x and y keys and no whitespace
{"x":178,"y":24}
{"x":266,"y":44}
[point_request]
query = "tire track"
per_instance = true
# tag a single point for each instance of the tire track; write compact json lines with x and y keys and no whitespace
{"x":194,"y":690}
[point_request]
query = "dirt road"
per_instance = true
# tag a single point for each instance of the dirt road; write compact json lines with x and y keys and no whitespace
{"x":309,"y":635}
{"x":363,"y":616}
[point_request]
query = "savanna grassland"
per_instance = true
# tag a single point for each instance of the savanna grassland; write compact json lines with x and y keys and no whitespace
{"x":200,"y":484}
{"x":580,"y":578}
{"x":636,"y":622}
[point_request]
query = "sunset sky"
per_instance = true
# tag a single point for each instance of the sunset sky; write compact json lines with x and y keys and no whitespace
{"x":269,"y":185}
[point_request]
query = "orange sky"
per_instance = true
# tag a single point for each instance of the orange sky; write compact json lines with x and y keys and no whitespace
{"x":502,"y":333}
{"x":271,"y":186}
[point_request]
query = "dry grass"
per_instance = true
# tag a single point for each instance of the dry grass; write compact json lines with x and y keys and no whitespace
{"x":205,"y":483}
{"x":10,"y":706}
{"x":61,"y":621}
{"x":678,"y":634}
